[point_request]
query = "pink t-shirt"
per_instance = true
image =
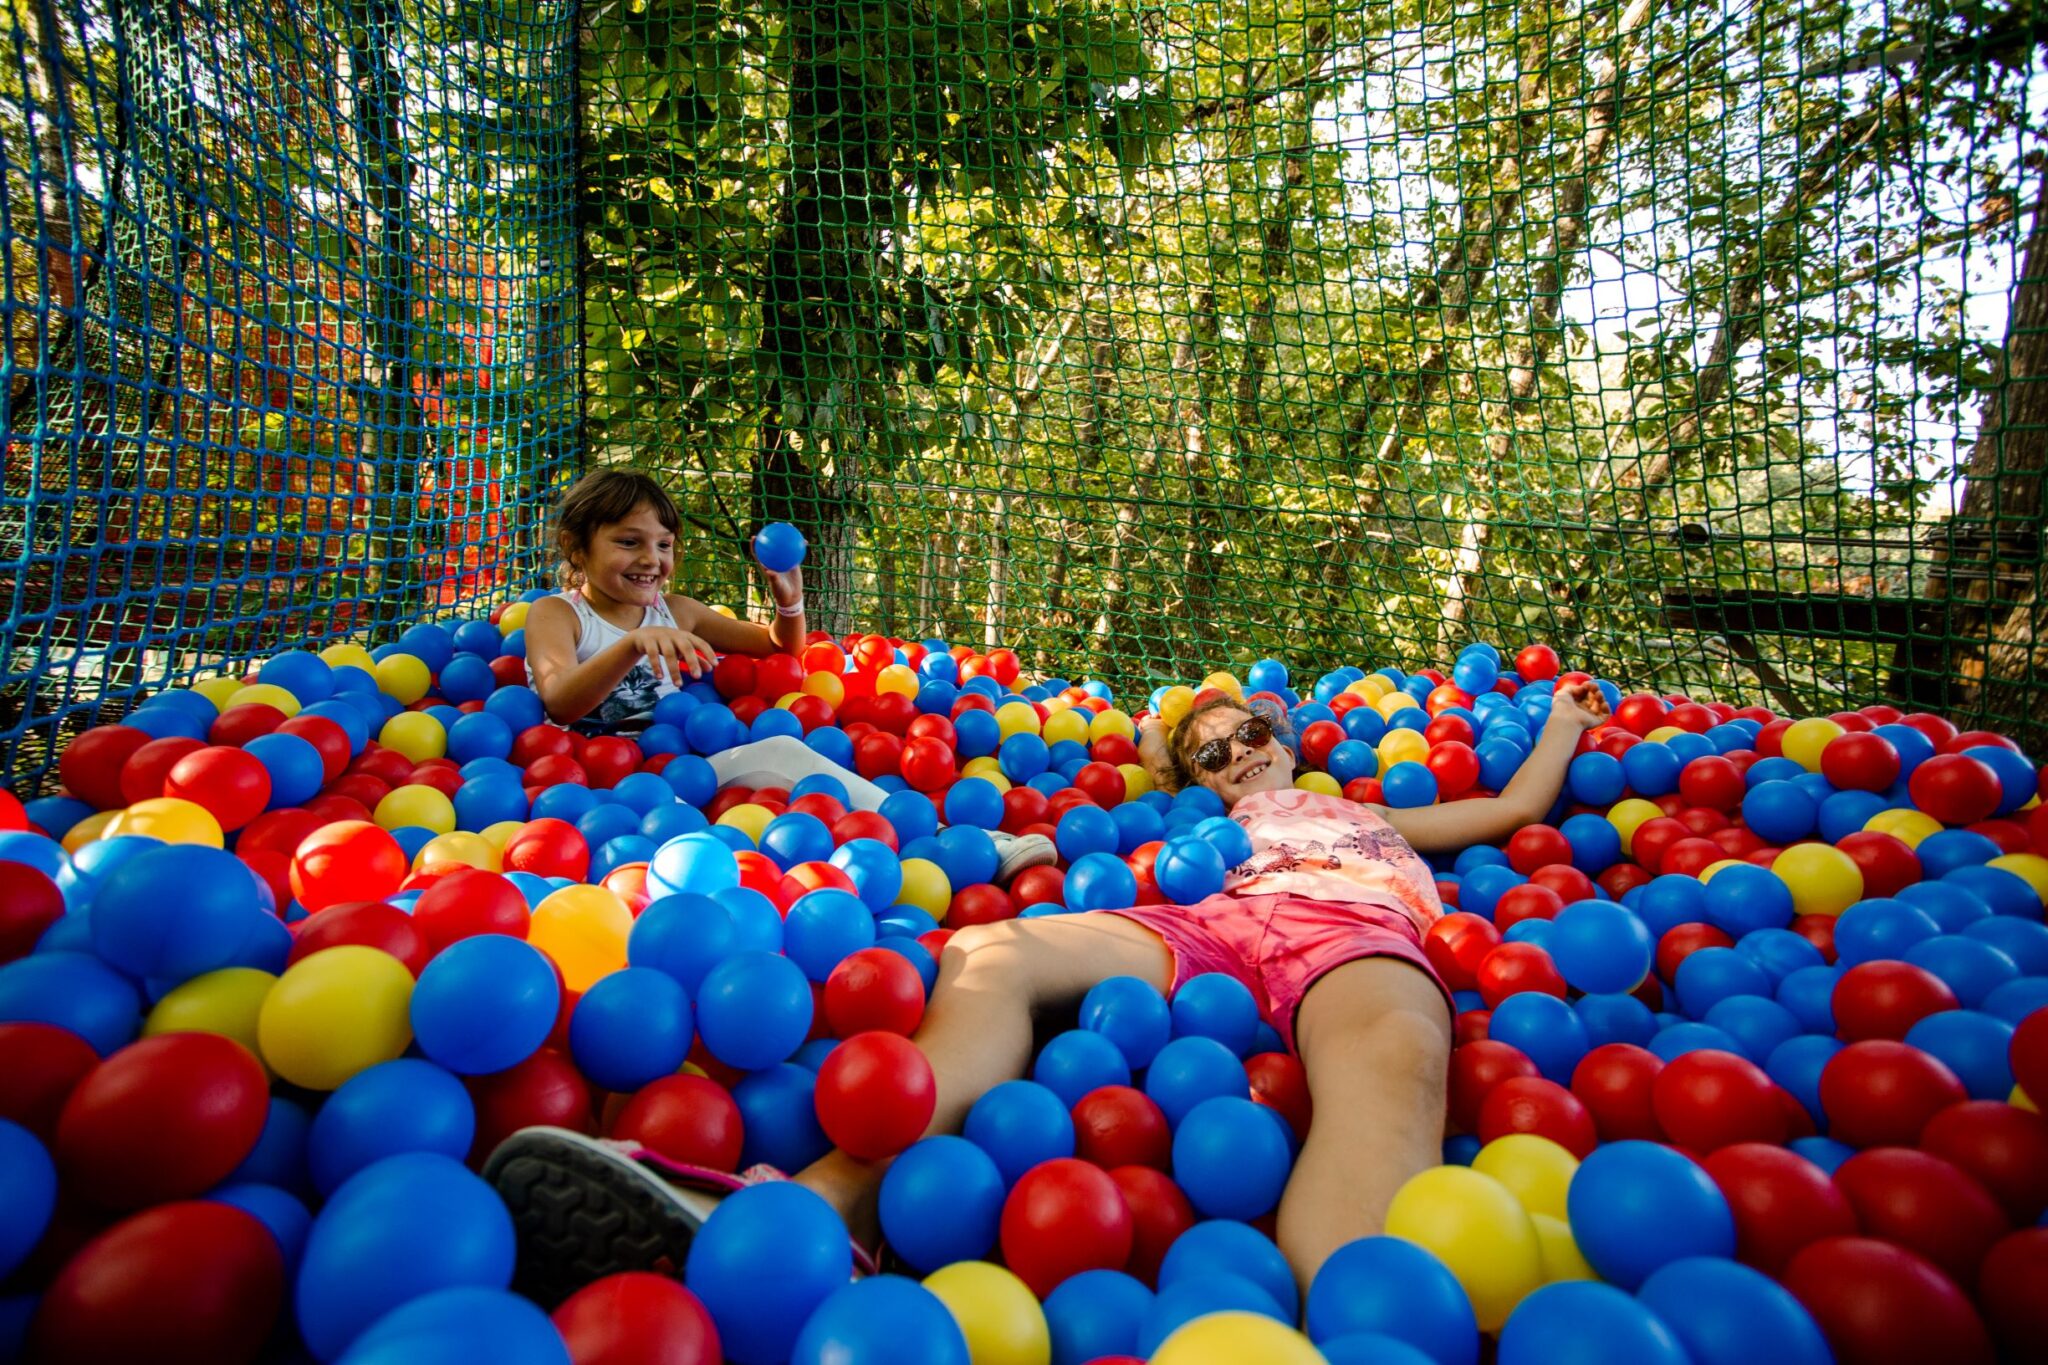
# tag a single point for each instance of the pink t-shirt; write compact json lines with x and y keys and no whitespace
{"x":1325,"y":848}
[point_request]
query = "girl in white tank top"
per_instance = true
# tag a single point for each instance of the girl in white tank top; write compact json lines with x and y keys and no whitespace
{"x":632,"y":701}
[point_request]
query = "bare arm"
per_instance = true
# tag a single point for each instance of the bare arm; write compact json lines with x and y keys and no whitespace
{"x":1457,"y":825}
{"x":571,"y":690}
{"x":785,"y":635}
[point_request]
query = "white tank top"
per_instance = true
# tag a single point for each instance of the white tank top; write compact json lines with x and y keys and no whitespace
{"x":633,"y":699}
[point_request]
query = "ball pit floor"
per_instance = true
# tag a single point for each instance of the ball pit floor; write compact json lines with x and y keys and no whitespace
{"x":1747,"y":1027}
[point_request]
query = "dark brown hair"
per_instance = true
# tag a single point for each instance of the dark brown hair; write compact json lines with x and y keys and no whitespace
{"x":599,"y":498}
{"x":1180,"y":745}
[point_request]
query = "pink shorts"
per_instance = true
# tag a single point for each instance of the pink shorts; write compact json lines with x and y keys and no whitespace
{"x":1279,"y":946}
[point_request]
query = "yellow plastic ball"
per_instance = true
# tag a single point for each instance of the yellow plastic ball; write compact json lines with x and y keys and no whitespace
{"x":218,"y":690}
{"x":1320,"y":783}
{"x":415,"y":734}
{"x":227,"y":1002}
{"x":1002,"y":1322}
{"x":1402,"y":746}
{"x":1629,"y":815}
{"x":827,"y":687}
{"x":403,"y":677}
{"x":897,"y":678}
{"x":347,"y":654}
{"x":460,"y":848}
{"x":1804,"y":739}
{"x":988,"y":769}
{"x":500,"y":834}
{"x":2030,"y":868}
{"x":1111,"y":723}
{"x":727,"y":612}
{"x":1016,"y":718}
{"x":264,"y":694}
{"x":926,"y":887}
{"x":417,"y":805}
{"x":1712,"y":870}
{"x":748,"y":818}
{"x":1065,"y":725}
{"x":783,"y":702}
{"x":337,"y":1012}
{"x":1174,"y":705}
{"x":1663,"y":733}
{"x":1536,"y":1171}
{"x":1824,"y":880}
{"x":513,"y":617}
{"x":169,"y":818}
{"x":584,"y":929}
{"x":92,"y":827}
{"x":2020,"y":1099}
{"x":1225,"y":683}
{"x":1136,"y":780}
{"x":1474,"y":1225}
{"x":1393,"y":702}
{"x":1371,"y":687}
{"x":1230,"y":1338}
{"x":1562,"y":1259}
{"x":1909,"y":827}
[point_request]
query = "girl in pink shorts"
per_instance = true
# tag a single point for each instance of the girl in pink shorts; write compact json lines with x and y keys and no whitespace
{"x":1324,"y":924}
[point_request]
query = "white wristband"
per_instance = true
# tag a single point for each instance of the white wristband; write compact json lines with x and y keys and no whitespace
{"x":795,"y":608}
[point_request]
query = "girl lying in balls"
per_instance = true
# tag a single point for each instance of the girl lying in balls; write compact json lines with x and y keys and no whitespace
{"x":1323,"y":923}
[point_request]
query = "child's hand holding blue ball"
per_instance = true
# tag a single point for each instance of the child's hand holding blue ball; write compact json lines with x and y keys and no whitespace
{"x":780,"y":549}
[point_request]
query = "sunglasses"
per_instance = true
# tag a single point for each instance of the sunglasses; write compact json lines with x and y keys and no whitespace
{"x":1214,"y":756}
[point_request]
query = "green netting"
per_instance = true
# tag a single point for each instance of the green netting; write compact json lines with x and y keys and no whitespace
{"x":290,"y":303}
{"x":1705,"y":340}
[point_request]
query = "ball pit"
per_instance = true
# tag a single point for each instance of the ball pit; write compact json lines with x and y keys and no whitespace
{"x":1749,"y":1033}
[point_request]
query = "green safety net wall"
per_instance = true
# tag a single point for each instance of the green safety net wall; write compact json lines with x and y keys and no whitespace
{"x":290,"y":353}
{"x":1707,"y":341}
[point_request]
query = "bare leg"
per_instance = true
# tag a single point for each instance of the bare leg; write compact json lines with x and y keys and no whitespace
{"x":977,"y":1030}
{"x":1375,"y":1041}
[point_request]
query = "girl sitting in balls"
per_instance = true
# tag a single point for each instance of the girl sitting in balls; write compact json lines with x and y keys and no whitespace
{"x":1323,"y":924}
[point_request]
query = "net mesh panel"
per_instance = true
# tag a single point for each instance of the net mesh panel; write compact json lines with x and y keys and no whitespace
{"x":1704,"y":340}
{"x":291,"y":331}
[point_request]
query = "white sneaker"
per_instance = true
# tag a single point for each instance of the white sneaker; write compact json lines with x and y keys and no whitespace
{"x":1015,"y":852}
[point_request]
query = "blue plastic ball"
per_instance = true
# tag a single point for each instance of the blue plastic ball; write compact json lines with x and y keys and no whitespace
{"x":824,"y":927}
{"x":941,"y":1202}
{"x":880,"y":1320}
{"x":1019,"y":1124}
{"x":629,"y":1028}
{"x":28,"y":1193}
{"x":1100,"y":881}
{"x":1670,"y":900}
{"x":1780,"y":952}
{"x":279,"y":1156}
{"x":1675,"y":1040}
{"x":1809,"y":992}
{"x":779,"y":1117}
{"x":779,"y":546}
{"x":1780,"y":812}
{"x":1724,"y":1313}
{"x":700,"y":864}
{"x":2005,"y":892}
{"x":2024,"y":941}
{"x":1198,"y":1296}
{"x":295,"y":767}
{"x":1409,"y":785}
{"x":1757,"y":1023}
{"x":764,"y":1261}
{"x":174,"y":912}
{"x":1078,"y":1061}
{"x":1231,"y":1247}
{"x":1652,"y":769}
{"x":1970,"y":967}
{"x":1601,"y":947}
{"x":967,"y":856}
{"x":485,"y":1003}
{"x":1796,"y":1065}
{"x":1545,"y":1029}
{"x":1587,"y":1323}
{"x":1188,"y":870}
{"x":1711,"y":975}
{"x":1218,"y":1006}
{"x":75,"y":991}
{"x":405,"y":1105}
{"x":1615,"y":1019}
{"x":1745,"y":898}
{"x":1094,"y":1314}
{"x":1637,"y":1206}
{"x":1232,"y":1158}
{"x":754,"y":1009}
{"x":1595,"y":843}
{"x":1974,"y":1045}
{"x":1190,"y":1070}
{"x":2015,"y":1000}
{"x":1131,"y":1014}
{"x":1596,"y":779}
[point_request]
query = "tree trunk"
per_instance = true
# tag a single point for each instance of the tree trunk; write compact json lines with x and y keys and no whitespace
{"x":1977,"y":642}
{"x":1533,"y":350}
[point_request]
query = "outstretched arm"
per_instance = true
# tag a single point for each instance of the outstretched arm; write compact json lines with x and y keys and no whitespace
{"x":785,"y":635}
{"x":1457,"y":825}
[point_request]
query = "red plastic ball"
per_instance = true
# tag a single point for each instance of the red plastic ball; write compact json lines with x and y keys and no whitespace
{"x":2000,"y":1146}
{"x":1530,"y":900}
{"x":1653,"y":839}
{"x":1924,"y":1204}
{"x":1456,"y":945}
{"x":1281,"y":1084}
{"x":1781,"y":1201}
{"x":199,"y":1282}
{"x":467,"y":902}
{"x":878,"y":754}
{"x":1022,"y":807}
{"x":29,"y":904}
{"x":1616,"y":1082}
{"x":1884,"y":999}
{"x":1881,"y":1093}
{"x":1955,"y":789}
{"x":1681,"y":941}
{"x":980,"y":904}
{"x":1691,"y":856}
{"x":2028,"y":1052}
{"x":1062,"y":1217}
{"x":875,"y":1095}
{"x":90,"y":766}
{"x":1476,"y":1069}
{"x":2012,"y":1292}
{"x":1860,"y":762}
{"x":1536,"y":663}
{"x":373,"y":924}
{"x":231,"y":784}
{"x":1570,"y":884}
{"x":637,"y":1318}
{"x":350,"y":860}
{"x":874,"y":989}
{"x":1706,"y":1099}
{"x":928,"y":765}
{"x":1318,"y":738}
{"x":238,"y":725}
{"x":1103,"y":784}
{"x":1534,"y":846}
{"x":1160,"y":1213}
{"x":146,"y":770}
{"x":548,"y":848}
{"x":1516,"y":967}
{"x":40,"y":1065}
{"x":164,"y":1118}
{"x":1641,"y":713}
{"x":1530,"y":1104}
{"x":545,"y":1090}
{"x":1887,"y":862}
{"x":1712,"y":782}
{"x":1117,"y":1125}
{"x":1456,"y":767}
{"x":1879,"y":1304}
{"x":689,"y":1119}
